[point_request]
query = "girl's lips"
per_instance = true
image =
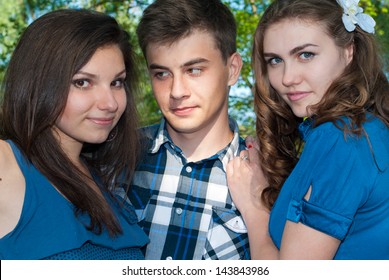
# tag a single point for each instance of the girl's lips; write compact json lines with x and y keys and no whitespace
{"x":295,"y":96}
{"x":102,"y":121}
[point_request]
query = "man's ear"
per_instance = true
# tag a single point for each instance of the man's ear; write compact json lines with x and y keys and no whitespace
{"x":235,"y":65}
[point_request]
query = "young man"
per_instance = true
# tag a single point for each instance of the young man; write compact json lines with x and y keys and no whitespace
{"x":179,"y":189}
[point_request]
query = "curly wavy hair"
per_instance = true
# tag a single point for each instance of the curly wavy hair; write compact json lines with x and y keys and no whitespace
{"x":361,"y":88}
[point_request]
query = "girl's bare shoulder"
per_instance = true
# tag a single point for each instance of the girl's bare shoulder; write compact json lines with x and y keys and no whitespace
{"x":12,"y":189}
{"x":6,"y":157}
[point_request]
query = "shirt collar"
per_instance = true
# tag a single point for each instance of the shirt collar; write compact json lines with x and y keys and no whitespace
{"x":161,"y":137}
{"x":305,"y":128}
{"x":225,"y":155}
{"x":233,"y":149}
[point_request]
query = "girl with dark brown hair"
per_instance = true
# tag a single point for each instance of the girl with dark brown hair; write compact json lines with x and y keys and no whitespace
{"x":70,"y":133}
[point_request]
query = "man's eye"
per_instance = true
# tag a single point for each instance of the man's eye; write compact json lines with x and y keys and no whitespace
{"x":161,"y":75}
{"x":195,"y":71}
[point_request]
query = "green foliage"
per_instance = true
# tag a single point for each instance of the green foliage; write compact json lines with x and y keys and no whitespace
{"x":15,"y":15}
{"x":247,"y":14}
{"x":379,"y":10}
{"x":12,"y":22}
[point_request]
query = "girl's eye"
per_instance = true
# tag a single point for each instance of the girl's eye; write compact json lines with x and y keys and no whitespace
{"x":118,"y":83}
{"x":274,"y":60}
{"x":306,"y":55}
{"x":82,"y":83}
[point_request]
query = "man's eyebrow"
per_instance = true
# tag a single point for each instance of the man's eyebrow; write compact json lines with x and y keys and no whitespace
{"x":195,"y":61}
{"x":157,"y":66}
{"x":154,"y":66}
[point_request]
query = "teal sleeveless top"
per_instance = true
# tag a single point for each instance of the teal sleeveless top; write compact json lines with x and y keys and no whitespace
{"x":49,"y":229}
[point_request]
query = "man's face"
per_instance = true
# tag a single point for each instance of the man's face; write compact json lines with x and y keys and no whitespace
{"x":191,"y":81}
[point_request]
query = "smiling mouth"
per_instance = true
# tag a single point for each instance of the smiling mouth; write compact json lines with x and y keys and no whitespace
{"x":102,"y":121}
{"x":295,"y":96}
{"x":183,"y":111}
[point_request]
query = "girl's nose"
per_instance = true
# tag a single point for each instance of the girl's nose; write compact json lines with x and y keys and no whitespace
{"x":106,"y":100}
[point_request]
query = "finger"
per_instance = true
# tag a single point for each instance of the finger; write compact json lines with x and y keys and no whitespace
{"x":233,"y":165}
{"x":254,"y":156}
{"x":230,"y":169}
{"x":244,"y":155}
{"x":251,"y":142}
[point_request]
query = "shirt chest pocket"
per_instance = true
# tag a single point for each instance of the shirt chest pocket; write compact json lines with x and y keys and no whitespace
{"x":227,"y":236}
{"x":228,"y":218}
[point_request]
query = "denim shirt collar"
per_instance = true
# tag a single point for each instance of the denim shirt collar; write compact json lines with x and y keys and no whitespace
{"x":305,"y":128}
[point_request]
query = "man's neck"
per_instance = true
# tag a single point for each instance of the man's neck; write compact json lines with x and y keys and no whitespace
{"x":202,"y":144}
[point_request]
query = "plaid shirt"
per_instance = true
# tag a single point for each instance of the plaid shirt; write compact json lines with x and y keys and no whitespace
{"x":185,"y":207}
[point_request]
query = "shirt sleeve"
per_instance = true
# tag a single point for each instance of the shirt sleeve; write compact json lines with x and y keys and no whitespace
{"x":336,"y":167}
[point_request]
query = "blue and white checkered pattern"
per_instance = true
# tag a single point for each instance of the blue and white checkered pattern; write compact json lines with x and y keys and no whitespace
{"x":185,"y":207}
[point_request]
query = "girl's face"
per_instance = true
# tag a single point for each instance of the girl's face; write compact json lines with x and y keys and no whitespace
{"x":96,"y":99}
{"x":302,"y":62}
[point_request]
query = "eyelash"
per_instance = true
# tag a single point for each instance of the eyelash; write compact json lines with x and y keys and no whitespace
{"x":162,"y":75}
{"x":311,"y":55}
{"x":122,"y":82}
{"x":77,"y":83}
{"x":195,"y":71}
{"x":270,"y":61}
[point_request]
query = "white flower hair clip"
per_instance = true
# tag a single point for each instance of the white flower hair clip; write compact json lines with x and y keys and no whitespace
{"x":353,"y":14}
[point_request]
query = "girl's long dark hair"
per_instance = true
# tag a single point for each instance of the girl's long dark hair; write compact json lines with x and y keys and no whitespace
{"x":36,"y":85}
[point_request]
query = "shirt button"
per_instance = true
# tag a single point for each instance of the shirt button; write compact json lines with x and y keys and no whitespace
{"x":188,"y":169}
{"x":179,"y":211}
{"x":169,"y":258}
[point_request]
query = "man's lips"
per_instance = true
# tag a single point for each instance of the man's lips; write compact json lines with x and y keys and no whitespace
{"x":182,"y":111}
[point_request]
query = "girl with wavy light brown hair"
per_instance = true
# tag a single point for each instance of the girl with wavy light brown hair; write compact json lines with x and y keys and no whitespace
{"x":319,"y":89}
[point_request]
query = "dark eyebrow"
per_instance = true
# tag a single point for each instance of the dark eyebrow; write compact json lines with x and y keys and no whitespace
{"x":186,"y":64}
{"x":89,"y":75}
{"x":156,"y":66}
{"x":299,"y":48}
{"x":121,"y":73}
{"x":270,"y":55}
{"x":194,"y":61}
{"x":293,"y":51}
{"x":93,"y":76}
